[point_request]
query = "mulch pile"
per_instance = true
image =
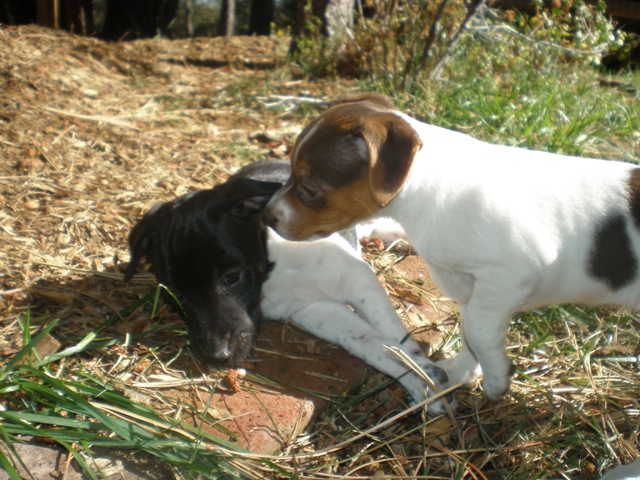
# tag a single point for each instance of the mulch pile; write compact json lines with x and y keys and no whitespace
{"x":92,"y":134}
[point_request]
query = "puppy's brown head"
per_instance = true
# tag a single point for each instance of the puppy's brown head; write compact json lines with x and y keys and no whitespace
{"x":346,"y":165}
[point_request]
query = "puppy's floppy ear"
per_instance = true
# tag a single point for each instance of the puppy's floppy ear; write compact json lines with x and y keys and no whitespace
{"x":250,"y":196}
{"x":391,"y":146}
{"x":141,"y":240}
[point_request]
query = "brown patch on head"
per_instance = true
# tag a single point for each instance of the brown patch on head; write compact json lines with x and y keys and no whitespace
{"x":633,"y":186}
{"x":346,"y":164}
{"x":338,"y":210}
{"x":359,"y":138}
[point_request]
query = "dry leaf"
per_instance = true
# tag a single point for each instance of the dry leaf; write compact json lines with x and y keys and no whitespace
{"x":59,"y":297}
{"x":408,"y":295}
{"x":47,"y":346}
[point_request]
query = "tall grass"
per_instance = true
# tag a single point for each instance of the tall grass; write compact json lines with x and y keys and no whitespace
{"x":532,"y":90}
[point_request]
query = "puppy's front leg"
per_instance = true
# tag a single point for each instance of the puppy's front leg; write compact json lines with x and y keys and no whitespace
{"x":361,"y":289}
{"x":368,"y":297}
{"x":462,"y":368}
{"x":337,"y":324}
{"x":485,"y":323}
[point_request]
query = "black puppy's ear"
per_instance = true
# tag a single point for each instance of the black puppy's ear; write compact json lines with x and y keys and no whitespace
{"x":250,"y":206}
{"x":251,"y":196}
{"x":141,"y":240}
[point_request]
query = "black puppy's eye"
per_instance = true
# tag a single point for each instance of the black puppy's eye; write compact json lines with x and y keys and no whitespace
{"x":232,"y":278}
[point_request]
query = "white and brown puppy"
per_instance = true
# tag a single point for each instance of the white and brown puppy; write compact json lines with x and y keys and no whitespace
{"x":502,"y":229}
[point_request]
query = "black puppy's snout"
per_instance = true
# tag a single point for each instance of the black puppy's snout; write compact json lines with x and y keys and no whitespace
{"x":222,"y":355}
{"x":214,"y":351}
{"x":222,"y":349}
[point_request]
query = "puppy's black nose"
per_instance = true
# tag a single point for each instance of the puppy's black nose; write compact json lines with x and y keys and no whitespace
{"x":211,"y":352}
{"x":218,"y":358}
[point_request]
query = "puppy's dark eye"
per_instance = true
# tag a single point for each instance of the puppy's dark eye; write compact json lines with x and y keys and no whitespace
{"x":309,"y":191}
{"x":232,"y":278}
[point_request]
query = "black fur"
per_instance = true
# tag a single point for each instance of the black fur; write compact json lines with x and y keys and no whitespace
{"x":209,"y":248}
{"x":612,"y":258}
{"x":266,"y":171}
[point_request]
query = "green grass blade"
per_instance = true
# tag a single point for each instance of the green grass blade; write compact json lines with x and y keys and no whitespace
{"x":6,"y":462}
{"x":49,"y":419}
{"x":6,"y":370}
{"x":6,"y":465}
{"x":80,"y":459}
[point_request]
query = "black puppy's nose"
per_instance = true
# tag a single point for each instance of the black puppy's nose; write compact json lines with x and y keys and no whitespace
{"x":212,"y":352}
{"x":219,"y":355}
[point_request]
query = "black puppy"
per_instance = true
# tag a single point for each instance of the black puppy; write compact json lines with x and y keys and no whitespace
{"x":210,"y":250}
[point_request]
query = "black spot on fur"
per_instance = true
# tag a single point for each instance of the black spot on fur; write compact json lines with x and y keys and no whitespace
{"x":612,"y":258}
{"x":438,"y":375}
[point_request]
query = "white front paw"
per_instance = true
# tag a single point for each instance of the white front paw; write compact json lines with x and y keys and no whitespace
{"x":416,"y":388}
{"x":496,"y":386}
{"x":459,"y":370}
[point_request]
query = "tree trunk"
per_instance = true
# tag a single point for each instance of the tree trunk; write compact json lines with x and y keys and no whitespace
{"x":188,"y":6}
{"x":138,"y":18}
{"x":231,"y":18}
{"x":227,"y":18}
{"x":70,"y":16}
{"x":87,"y":17}
{"x":166,"y":11}
{"x":261,"y":17}
{"x":120,"y":20}
{"x":336,"y":16}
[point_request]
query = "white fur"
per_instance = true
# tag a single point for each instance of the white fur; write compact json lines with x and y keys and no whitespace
{"x":302,"y":139}
{"x":313,"y":283}
{"x":624,"y":472}
{"x":283,"y":209}
{"x":505,"y":229}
